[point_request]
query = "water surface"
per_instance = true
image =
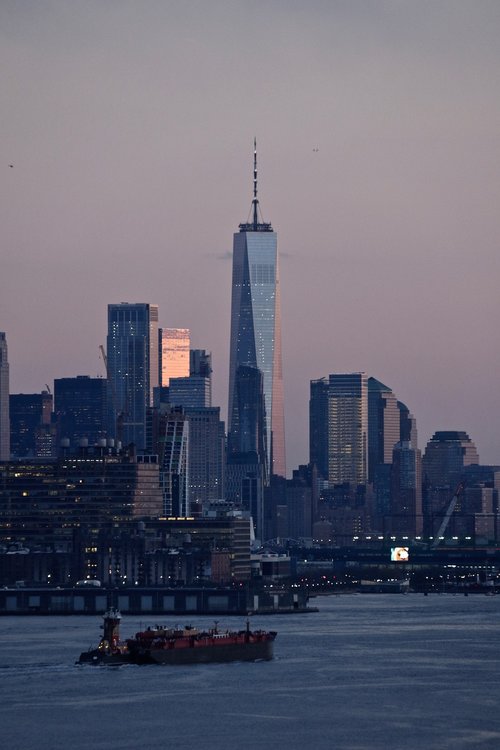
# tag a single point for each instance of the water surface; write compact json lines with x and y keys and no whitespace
{"x":365,"y":672}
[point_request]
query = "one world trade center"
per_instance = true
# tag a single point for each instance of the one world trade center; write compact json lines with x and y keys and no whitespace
{"x":256,"y":409}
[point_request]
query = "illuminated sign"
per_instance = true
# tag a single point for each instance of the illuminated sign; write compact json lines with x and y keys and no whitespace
{"x":400,"y":554}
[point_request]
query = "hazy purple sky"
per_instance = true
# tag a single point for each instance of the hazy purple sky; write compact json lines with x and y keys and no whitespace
{"x":130,"y":126}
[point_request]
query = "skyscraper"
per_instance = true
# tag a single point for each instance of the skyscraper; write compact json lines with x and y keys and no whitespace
{"x":200,"y":366}
{"x":173,"y":438}
{"x":446,"y":455}
{"x":406,"y":490}
{"x":4,"y":400}
{"x":348,"y":428}
{"x":192,"y":391}
{"x":407,"y":425}
{"x":200,"y":363}
{"x":383,"y":425}
{"x":256,"y":326}
{"x":318,"y":426}
{"x":80,"y":406}
{"x":173,"y":354}
{"x":248,"y":432}
{"x":205,"y":456}
{"x":132,"y":369}
{"x":30,"y":424}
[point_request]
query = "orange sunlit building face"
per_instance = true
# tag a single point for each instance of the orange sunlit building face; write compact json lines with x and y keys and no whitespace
{"x":174,"y":354}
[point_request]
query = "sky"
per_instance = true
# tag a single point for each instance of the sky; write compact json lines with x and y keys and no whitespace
{"x":130,"y":129}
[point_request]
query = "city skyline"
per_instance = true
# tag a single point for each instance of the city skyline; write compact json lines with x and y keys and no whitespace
{"x":378,"y":130}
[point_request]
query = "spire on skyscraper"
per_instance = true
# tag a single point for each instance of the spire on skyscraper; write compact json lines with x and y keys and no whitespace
{"x":255,"y":225}
{"x":255,"y":199}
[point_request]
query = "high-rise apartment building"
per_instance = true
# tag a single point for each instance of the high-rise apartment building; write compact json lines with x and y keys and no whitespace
{"x":132,"y":369}
{"x":256,"y":326}
{"x":4,"y":400}
{"x":173,"y":354}
{"x":348,"y":428}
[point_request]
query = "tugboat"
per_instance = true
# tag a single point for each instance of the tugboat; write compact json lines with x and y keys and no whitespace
{"x":161,"y":645}
{"x":110,"y":649}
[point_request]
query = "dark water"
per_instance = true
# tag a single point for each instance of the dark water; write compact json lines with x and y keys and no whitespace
{"x":367,"y":671}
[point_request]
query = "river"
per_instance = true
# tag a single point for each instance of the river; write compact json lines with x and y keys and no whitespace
{"x":366,"y":672}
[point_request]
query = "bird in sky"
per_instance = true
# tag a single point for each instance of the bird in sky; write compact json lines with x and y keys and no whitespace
{"x":11,"y":166}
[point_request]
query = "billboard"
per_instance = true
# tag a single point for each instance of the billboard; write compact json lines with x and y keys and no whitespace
{"x":400,"y":554}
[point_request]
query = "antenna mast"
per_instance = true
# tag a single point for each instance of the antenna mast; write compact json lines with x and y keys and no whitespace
{"x":253,"y":224}
{"x":255,"y":199}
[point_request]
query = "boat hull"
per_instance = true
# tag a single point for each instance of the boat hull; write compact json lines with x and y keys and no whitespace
{"x":261,"y":651}
{"x":95,"y":656}
{"x":226,"y":652}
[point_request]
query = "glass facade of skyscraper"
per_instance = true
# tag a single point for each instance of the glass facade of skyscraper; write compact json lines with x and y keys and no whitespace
{"x":318,"y":426}
{"x":256,"y":331}
{"x":132,"y":365}
{"x":173,"y":354}
{"x":348,"y":428}
{"x":383,"y":425}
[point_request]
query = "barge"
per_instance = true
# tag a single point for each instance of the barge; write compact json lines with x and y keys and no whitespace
{"x":188,"y":645}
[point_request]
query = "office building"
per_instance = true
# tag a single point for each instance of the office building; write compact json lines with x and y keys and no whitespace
{"x":30,"y":424}
{"x":348,"y":429}
{"x":173,"y":448}
{"x":4,"y":400}
{"x":191,"y":397}
{"x":193,"y":391}
{"x":247,"y":469}
{"x":80,"y":406}
{"x":173,"y":354}
{"x":248,"y":433}
{"x":406,"y":490}
{"x":200,"y":366}
{"x":383,"y":425}
{"x":384,"y":431}
{"x":446,"y":455}
{"x":45,"y":500}
{"x":200,"y":363}
{"x":318,"y":426}
{"x":244,"y":483}
{"x":407,"y":425}
{"x":206,"y":457}
{"x":256,"y":327}
{"x":132,"y":369}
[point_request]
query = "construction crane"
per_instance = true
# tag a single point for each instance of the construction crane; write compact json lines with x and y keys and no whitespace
{"x":448,"y":514}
